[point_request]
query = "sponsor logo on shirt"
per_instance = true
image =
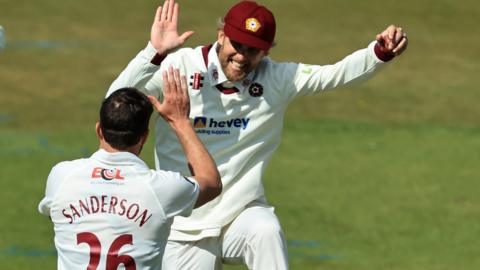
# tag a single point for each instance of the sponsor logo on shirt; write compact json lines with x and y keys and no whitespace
{"x":196,"y":81}
{"x":200,"y":122}
{"x":106,"y":174}
{"x":212,"y":126}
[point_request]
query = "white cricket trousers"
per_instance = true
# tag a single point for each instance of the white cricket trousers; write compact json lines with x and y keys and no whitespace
{"x":254,"y":239}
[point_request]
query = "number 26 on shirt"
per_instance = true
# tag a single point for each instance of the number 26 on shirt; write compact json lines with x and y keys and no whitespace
{"x":113,"y":259}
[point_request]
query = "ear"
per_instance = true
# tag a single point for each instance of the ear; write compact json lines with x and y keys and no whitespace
{"x":220,"y":36}
{"x":98,"y":130}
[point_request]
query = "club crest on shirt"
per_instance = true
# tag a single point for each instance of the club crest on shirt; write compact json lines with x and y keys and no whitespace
{"x":255,"y":90}
{"x":196,"y":81}
{"x":107,"y":174}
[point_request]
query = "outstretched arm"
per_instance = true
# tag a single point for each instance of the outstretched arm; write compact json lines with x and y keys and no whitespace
{"x":306,"y":79}
{"x":175,"y":110}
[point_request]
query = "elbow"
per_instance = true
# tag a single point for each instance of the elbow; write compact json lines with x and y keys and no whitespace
{"x":217,"y":187}
{"x":211,"y":189}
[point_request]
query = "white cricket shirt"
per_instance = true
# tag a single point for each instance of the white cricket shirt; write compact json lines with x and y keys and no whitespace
{"x":111,"y":209}
{"x":241,"y":129}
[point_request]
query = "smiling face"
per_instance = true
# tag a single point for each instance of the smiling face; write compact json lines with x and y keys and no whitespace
{"x":237,"y":60}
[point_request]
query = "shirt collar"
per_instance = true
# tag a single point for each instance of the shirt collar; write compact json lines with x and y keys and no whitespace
{"x":217,"y":76}
{"x":118,"y":158}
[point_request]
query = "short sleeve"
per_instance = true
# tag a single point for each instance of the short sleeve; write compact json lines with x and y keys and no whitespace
{"x":177,"y":194}
{"x":54,"y":181}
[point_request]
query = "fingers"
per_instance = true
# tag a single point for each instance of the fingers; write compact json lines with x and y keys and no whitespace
{"x":163,"y":17}
{"x":391,"y":32}
{"x":401,"y":46}
{"x":186,"y":36}
{"x":172,"y":81}
{"x":167,"y":12}
{"x":175,"y":13}
{"x":176,"y":79}
{"x":400,"y":41}
{"x":158,"y":14}
{"x":166,"y":85}
{"x":390,"y":37}
{"x":171,"y":4}
{"x":393,"y":39}
{"x":176,"y":102}
{"x":183,"y":86}
{"x":398,"y":35}
{"x":156,"y":104}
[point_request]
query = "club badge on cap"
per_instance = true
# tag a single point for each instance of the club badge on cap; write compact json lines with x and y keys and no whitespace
{"x":252,"y":24}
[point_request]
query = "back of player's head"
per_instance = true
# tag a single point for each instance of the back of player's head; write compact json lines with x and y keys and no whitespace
{"x":124,"y":117}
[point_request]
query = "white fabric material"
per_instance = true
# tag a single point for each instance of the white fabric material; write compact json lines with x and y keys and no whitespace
{"x":125,"y":199}
{"x":254,"y":239}
{"x":240,"y":130}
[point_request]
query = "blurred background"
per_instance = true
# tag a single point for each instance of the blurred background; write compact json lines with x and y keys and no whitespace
{"x":380,"y":175}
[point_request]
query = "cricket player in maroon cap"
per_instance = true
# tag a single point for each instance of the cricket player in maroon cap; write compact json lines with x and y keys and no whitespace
{"x":238,"y":97}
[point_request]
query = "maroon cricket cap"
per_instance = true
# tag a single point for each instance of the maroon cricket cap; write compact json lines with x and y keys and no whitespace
{"x":250,"y":24}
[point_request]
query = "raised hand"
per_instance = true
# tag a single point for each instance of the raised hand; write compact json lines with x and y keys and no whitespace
{"x":393,"y":40}
{"x":176,"y":103}
{"x":164,"y":36}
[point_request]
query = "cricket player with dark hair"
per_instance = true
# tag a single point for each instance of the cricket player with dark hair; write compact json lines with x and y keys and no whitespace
{"x":111,"y":210}
{"x":238,"y":97}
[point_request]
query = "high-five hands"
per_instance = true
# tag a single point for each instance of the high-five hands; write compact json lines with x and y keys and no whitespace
{"x":164,"y":36}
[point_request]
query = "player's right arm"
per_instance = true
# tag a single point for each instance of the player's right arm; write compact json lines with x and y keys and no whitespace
{"x":164,"y":39}
{"x":175,"y":110}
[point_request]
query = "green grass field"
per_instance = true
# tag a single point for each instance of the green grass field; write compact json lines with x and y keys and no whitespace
{"x":382,"y":175}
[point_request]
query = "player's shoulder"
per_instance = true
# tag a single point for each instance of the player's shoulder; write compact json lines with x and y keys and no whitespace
{"x":63,"y":171}
{"x":187,"y":52}
{"x":187,"y":57}
{"x":162,"y":175}
{"x":162,"y":179}
{"x":276,"y":70}
{"x":69,"y":165}
{"x":277,"y":75}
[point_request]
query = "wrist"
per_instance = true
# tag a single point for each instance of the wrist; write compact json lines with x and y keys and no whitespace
{"x":181,"y":124}
{"x":158,"y":59}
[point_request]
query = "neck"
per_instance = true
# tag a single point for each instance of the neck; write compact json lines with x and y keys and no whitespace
{"x":136,"y":149}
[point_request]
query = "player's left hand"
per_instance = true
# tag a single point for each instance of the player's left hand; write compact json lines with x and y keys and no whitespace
{"x":393,"y":40}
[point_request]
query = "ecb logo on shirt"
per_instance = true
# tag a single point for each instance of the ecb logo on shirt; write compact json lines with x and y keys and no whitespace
{"x":107,"y":174}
